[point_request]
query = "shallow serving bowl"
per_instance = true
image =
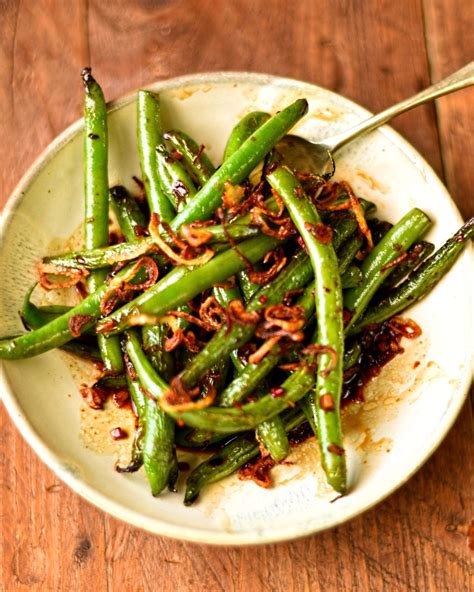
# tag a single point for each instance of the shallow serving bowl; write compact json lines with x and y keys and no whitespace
{"x":408,"y":410}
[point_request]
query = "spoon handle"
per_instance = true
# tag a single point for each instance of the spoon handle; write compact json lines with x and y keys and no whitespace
{"x":456,"y":81}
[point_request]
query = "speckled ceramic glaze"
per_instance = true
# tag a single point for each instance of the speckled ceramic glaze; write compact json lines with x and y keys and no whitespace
{"x":408,"y":410}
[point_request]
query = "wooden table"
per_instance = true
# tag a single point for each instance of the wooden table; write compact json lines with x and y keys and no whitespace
{"x":375,"y":52}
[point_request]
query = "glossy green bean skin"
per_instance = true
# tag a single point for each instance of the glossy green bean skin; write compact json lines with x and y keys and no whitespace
{"x":248,"y":287}
{"x":252,"y":375}
{"x":374,"y":268}
{"x":139,"y":400}
{"x":153,"y":343}
{"x":194,"y":157}
{"x":96,"y":193}
{"x":416,"y":255}
{"x":347,"y":251}
{"x":134,"y":248}
{"x":182,"y":284}
{"x":159,"y":453}
{"x":129,"y":216}
{"x":243,"y":130}
{"x":294,"y":276}
{"x":224,"y":297}
{"x":219,"y":419}
{"x":57,"y":333}
{"x":231,"y":457}
{"x":174,"y":179}
{"x":241,"y":163}
{"x":104,"y":256}
{"x":96,"y":179}
{"x":149,"y":137}
{"x":328,"y":300}
{"x":420,"y":282}
{"x":352,"y":277}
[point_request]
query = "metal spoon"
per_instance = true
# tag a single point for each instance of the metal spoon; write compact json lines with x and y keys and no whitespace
{"x":298,"y":150}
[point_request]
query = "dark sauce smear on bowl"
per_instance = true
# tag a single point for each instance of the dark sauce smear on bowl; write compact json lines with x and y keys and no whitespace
{"x":379,"y":343}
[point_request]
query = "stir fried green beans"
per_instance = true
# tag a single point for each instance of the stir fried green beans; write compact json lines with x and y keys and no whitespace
{"x":182,"y":284}
{"x":258,"y":277}
{"x":296,"y":275}
{"x":328,"y":298}
{"x":241,"y":163}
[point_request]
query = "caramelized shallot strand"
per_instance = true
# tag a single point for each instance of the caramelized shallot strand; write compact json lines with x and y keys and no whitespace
{"x":261,"y":277}
{"x":212,"y":313}
{"x":359,"y":214}
{"x":168,"y":251}
{"x":74,"y":276}
{"x":263,"y":350}
{"x":316,"y":349}
{"x":195,"y":236}
{"x":406,"y":327}
{"x":77,"y":323}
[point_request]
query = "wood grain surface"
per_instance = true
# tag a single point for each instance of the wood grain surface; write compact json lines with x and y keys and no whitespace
{"x":374,"y":52}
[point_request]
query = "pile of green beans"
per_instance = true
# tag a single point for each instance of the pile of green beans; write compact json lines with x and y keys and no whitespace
{"x":228,"y":353}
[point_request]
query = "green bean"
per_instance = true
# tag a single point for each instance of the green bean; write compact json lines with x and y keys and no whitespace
{"x":243,"y":130}
{"x":96,"y":191}
{"x":193,"y":155}
{"x":128,"y":213}
{"x":60,"y":331}
{"x":271,"y":432}
{"x":159,"y":454}
{"x":153,"y":344}
{"x":347,"y":252}
{"x":96,"y":184}
{"x":352,"y":277}
{"x":252,"y":375}
{"x":174,"y":179}
{"x":376,"y":266}
{"x":328,"y":299}
{"x":416,"y":255}
{"x":122,"y":252}
{"x":33,"y":316}
{"x":139,"y":400}
{"x":420,"y":282}
{"x":240,"y":164}
{"x":294,"y":276}
{"x":219,"y":419}
{"x":224,"y":297}
{"x":149,"y":136}
{"x":352,"y":354}
{"x":231,"y":457}
{"x":112,"y":382}
{"x":248,"y":287}
{"x":182,"y":284}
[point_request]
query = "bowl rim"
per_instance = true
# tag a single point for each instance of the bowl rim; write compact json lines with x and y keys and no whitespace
{"x":116,"y":509}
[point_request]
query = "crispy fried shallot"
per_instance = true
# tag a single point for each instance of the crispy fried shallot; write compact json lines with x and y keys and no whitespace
{"x":188,"y":255}
{"x":212,"y":313}
{"x":72,"y":276}
{"x":279,"y":261}
{"x":77,"y":323}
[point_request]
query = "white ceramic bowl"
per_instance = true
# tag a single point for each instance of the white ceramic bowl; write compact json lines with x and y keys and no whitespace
{"x":408,"y":410}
